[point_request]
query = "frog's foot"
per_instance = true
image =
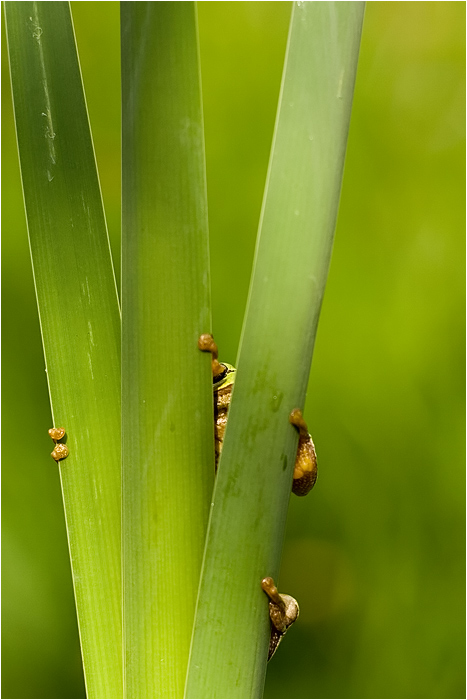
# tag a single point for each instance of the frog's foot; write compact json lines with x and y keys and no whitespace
{"x":61,"y":451}
{"x":206,"y":343}
{"x":283,"y":611}
{"x":306,"y":467}
{"x":57,"y":434}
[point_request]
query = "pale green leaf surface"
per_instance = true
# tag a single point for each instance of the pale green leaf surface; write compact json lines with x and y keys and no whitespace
{"x":168,"y":451}
{"x":229,"y":648}
{"x":79,"y":316}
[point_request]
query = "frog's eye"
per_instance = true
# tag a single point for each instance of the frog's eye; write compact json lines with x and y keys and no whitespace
{"x":219,"y":378}
{"x":57,"y":433}
{"x":60,"y":452}
{"x":224,"y":378}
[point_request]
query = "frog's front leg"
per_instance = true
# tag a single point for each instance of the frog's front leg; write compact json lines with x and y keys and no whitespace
{"x":206,"y":343}
{"x":306,"y":467}
{"x":283,"y":611}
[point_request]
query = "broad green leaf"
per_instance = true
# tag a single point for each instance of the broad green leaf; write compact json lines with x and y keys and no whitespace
{"x":229,"y":649}
{"x":168,"y":450}
{"x":79,"y":316}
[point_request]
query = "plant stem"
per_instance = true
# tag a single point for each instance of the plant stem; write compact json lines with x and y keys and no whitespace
{"x":168,"y":453}
{"x":229,"y":648}
{"x":79,"y":316}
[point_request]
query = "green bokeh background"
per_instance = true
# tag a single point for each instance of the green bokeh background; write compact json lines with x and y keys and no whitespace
{"x":375,"y":555}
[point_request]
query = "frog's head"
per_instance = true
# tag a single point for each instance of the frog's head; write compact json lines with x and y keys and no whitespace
{"x":225,"y":378}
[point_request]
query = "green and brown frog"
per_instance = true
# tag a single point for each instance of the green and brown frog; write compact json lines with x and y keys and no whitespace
{"x":283,"y":609}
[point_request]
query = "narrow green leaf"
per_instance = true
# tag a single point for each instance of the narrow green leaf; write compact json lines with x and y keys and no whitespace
{"x":79,"y":315}
{"x":168,"y":450}
{"x":229,"y":650}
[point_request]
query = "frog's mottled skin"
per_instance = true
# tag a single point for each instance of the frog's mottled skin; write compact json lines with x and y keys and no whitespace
{"x":221,"y":406}
{"x":223,"y":387}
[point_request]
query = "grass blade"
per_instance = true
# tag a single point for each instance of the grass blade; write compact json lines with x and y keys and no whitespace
{"x":229,"y":649}
{"x":167,"y":416}
{"x":79,"y":314}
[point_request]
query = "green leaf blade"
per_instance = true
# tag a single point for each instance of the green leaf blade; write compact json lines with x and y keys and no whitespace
{"x":79,"y":315}
{"x":168,"y":468}
{"x":229,"y":649}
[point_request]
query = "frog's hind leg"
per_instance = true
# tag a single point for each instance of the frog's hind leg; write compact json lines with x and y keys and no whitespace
{"x":283,"y":611}
{"x":306,"y":467}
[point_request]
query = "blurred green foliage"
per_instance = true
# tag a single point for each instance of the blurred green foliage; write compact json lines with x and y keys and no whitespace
{"x":375,"y":555}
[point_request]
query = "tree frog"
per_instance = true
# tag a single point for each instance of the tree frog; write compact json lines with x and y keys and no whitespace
{"x":305,"y":471}
{"x":61,"y":451}
{"x":283,"y":611}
